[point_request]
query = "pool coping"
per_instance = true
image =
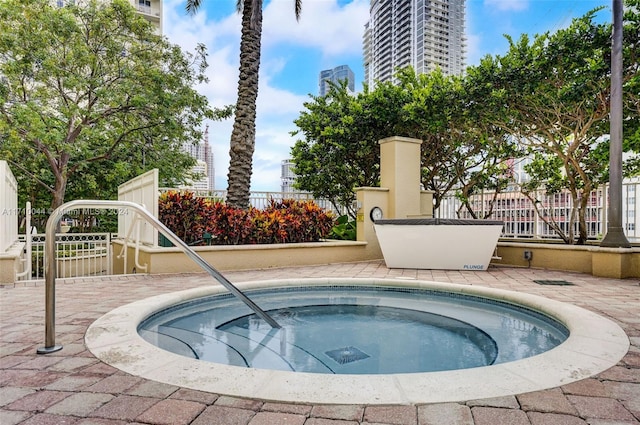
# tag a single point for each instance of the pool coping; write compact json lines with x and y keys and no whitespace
{"x":595,"y":344}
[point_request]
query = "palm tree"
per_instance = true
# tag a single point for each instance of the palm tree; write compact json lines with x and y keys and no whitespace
{"x":243,"y":136}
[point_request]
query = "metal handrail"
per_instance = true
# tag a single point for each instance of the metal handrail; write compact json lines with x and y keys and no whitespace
{"x":50,"y":271}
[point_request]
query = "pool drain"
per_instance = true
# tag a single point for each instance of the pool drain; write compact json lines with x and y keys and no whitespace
{"x":346,"y":355}
{"x":553,"y":282}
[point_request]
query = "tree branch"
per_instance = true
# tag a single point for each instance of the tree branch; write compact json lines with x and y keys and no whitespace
{"x":33,"y":176}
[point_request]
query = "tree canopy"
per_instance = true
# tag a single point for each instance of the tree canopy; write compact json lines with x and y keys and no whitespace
{"x":556,"y":89}
{"x":341,"y":133}
{"x":340,"y":149}
{"x":90,"y":96}
{"x":546,"y":99}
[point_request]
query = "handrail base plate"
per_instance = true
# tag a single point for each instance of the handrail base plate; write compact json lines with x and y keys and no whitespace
{"x":47,"y":350}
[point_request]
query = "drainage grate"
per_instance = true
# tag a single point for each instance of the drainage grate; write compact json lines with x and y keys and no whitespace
{"x":346,"y":355}
{"x":553,"y":282}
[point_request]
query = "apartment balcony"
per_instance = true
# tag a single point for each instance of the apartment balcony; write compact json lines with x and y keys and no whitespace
{"x":149,"y":11}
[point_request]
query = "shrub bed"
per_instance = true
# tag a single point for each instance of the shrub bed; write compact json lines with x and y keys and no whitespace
{"x":199,"y":221}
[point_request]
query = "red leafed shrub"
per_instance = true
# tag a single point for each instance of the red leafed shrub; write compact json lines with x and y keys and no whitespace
{"x":301,"y":221}
{"x":267,"y":227}
{"x":229,"y":226}
{"x":185,"y":215}
{"x":285,"y":221}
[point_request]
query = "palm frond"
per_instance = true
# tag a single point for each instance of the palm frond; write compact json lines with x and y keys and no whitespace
{"x":298,"y":9}
{"x":192,"y":6}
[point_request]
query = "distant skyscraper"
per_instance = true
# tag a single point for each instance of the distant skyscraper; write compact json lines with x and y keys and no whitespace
{"x":203,"y":154}
{"x":209,"y":160}
{"x":287,"y":177}
{"x":426,"y":34}
{"x":335,"y":75}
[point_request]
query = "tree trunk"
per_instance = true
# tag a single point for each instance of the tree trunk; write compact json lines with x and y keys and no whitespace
{"x":59,"y":167}
{"x":59,"y":190}
{"x":583,"y":232}
{"x":244,"y":126}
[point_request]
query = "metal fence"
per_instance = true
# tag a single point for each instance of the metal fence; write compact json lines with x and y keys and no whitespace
{"x":511,"y":206}
{"x":261,"y":200}
{"x":522,"y":221}
{"x":77,"y":254}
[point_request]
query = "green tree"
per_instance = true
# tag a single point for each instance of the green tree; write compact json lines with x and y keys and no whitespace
{"x":556,"y":90}
{"x":340,"y":148}
{"x":90,"y":96}
{"x":462,"y":149}
{"x":487,"y":162}
{"x":631,"y":89}
{"x":432,"y":113}
{"x":341,"y":132}
{"x":243,"y":135}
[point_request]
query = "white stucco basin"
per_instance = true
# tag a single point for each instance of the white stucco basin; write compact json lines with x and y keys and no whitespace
{"x":433,"y":243}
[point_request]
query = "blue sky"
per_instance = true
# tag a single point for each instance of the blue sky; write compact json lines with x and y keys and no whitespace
{"x":328,"y":34}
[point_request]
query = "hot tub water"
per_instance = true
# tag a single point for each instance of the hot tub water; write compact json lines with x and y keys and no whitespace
{"x":354,"y":330}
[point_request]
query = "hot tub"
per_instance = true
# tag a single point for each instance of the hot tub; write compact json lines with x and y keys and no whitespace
{"x":434,"y":243}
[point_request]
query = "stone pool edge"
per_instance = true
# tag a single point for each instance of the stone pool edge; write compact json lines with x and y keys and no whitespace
{"x":594,"y":345}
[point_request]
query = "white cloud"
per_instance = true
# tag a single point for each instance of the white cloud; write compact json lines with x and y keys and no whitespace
{"x":507,"y":5}
{"x":474,"y":53}
{"x":188,"y":30}
{"x":222,"y":39}
{"x":273,"y":101}
{"x":323,"y":25}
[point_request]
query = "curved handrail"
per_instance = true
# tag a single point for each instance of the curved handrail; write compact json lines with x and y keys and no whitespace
{"x":50,"y":270}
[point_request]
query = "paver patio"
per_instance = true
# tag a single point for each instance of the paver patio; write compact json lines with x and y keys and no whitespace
{"x":72,"y":387}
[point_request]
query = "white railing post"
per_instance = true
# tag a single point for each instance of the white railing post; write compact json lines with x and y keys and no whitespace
{"x":9,"y":211}
{"x":26,"y":271}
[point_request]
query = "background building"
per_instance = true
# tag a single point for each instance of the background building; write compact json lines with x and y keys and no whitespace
{"x":424,"y":34}
{"x":335,"y":75}
{"x":151,"y":10}
{"x":287,"y":177}
{"x":205,"y":166}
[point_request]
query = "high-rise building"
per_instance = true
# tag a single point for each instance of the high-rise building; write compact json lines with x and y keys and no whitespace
{"x":151,"y":10}
{"x":205,"y":167}
{"x":287,"y":176}
{"x":424,"y":34}
{"x":335,"y":75}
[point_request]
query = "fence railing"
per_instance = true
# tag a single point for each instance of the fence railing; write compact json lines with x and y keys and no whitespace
{"x":261,"y":199}
{"x":90,"y":254}
{"x":512,"y":207}
{"x":77,"y":254}
{"x":522,"y":221}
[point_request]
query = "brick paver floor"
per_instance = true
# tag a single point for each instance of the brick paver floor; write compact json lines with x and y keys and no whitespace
{"x":72,"y":387}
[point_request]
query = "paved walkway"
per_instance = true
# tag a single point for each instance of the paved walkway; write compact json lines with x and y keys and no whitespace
{"x":72,"y":387}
